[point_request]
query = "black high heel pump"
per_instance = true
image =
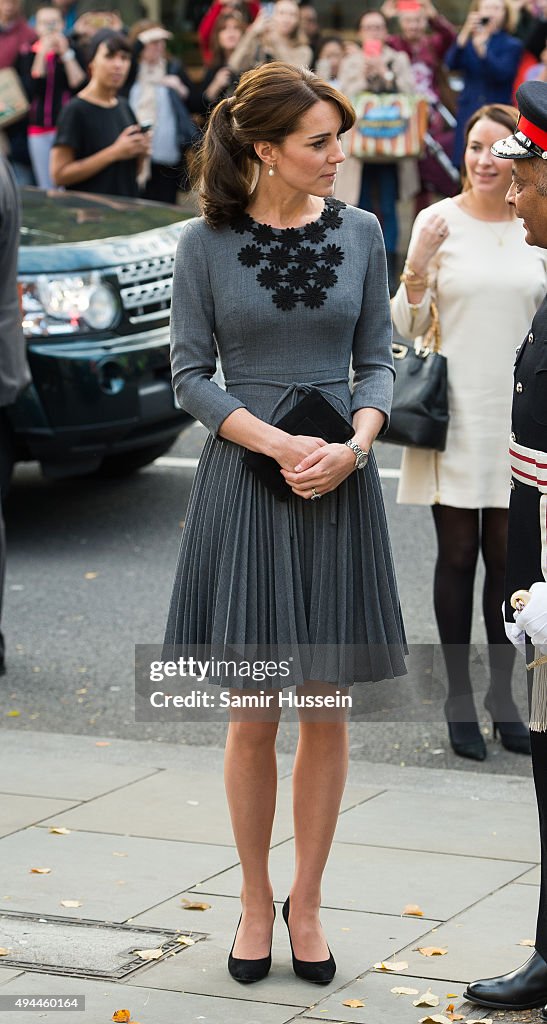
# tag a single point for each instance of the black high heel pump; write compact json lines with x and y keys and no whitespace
{"x":247,"y":971}
{"x":513,"y":733}
{"x":465,"y":736}
{"x":321,"y":972}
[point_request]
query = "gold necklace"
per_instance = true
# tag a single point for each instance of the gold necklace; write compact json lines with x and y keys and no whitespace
{"x":499,"y":238}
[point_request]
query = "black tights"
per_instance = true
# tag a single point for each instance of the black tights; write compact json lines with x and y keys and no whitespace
{"x":460,"y":533}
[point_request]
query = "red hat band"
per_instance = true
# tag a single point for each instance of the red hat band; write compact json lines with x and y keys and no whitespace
{"x":532,"y":132}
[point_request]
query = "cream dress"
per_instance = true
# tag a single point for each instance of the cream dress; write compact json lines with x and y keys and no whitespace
{"x":488,"y":284}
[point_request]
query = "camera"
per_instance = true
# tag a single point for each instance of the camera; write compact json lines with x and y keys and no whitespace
{"x":484,"y":21}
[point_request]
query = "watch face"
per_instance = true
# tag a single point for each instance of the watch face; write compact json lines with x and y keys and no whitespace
{"x":362,"y":461}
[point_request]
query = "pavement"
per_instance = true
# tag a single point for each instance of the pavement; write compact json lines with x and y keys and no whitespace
{"x":143,"y":827}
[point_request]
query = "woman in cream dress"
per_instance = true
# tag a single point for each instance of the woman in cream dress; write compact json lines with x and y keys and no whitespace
{"x":470,"y":253}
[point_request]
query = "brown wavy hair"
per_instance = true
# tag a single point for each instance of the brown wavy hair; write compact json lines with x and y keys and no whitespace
{"x":266,"y":107}
{"x":500,"y":113}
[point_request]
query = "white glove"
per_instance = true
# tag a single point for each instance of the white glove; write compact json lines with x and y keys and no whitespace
{"x":514,"y":634}
{"x":533,"y":617}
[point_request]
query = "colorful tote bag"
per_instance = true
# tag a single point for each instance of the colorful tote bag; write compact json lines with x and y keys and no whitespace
{"x":388,"y":126}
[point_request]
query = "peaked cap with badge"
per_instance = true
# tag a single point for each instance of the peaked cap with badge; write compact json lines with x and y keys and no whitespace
{"x":530,"y":135}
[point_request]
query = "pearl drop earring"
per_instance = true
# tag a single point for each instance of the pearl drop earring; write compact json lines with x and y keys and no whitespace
{"x":271,"y":171}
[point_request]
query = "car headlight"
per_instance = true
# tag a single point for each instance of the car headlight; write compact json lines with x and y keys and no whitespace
{"x":68,"y":305}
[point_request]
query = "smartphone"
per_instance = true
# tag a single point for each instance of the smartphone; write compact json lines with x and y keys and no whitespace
{"x":145,"y":126}
{"x":408,"y":5}
{"x":372,"y":47}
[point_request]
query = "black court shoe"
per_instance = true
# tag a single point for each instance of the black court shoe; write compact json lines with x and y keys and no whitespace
{"x":465,"y":737}
{"x":514,"y":734}
{"x":247,"y":971}
{"x":543,"y":1014}
{"x":321,"y":972}
{"x":523,"y":989}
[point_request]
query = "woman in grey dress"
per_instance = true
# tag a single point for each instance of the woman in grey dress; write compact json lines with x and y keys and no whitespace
{"x":292,"y":285}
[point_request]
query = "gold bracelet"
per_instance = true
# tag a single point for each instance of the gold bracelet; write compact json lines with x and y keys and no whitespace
{"x":415,"y":282}
{"x":412,"y":279}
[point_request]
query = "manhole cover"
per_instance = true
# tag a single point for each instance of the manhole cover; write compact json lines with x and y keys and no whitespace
{"x":83,"y":949}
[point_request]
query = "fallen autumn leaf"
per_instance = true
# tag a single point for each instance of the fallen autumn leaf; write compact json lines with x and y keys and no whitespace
{"x":61,"y":831}
{"x":70,"y":903}
{"x":395,"y":965}
{"x":400,"y":990}
{"x":193,"y":905}
{"x":431,"y":951}
{"x":352,"y":1002}
{"x":427,"y":999}
{"x":40,"y":871}
{"x":149,"y":954}
{"x":412,"y":910}
{"x":121,"y":1016}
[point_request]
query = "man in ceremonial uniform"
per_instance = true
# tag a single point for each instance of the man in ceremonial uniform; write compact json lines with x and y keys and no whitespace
{"x":526,"y":987}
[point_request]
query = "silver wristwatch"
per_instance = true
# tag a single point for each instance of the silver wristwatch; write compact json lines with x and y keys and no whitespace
{"x":361,"y":456}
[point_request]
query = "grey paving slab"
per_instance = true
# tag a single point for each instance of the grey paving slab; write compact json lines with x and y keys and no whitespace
{"x":85,"y":867}
{"x":532,"y":877}
{"x":148,"y":1006}
{"x":189,"y":806}
{"x":7,"y":975}
{"x":384,"y":881}
{"x":420,"y":821}
{"x":29,"y":773}
{"x":19,"y":811}
{"x":381,"y":1005}
{"x":482,"y":941}
{"x":357,"y":941}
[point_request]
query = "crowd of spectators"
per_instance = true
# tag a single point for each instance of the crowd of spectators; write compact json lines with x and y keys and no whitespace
{"x":93,"y":81}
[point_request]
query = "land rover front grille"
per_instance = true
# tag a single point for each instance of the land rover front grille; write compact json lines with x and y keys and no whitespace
{"x":145,"y":288}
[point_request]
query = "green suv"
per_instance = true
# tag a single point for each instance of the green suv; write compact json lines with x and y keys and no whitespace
{"x":95,"y":279}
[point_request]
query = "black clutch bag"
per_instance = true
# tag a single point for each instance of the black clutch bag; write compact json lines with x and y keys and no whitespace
{"x":313,"y":416}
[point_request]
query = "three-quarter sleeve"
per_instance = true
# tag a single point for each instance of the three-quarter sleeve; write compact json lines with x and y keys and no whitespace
{"x":372,"y":355}
{"x":193,"y":361}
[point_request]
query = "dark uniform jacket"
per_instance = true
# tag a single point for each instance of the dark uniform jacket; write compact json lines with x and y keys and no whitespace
{"x":528,"y":428}
{"x":14,"y":372}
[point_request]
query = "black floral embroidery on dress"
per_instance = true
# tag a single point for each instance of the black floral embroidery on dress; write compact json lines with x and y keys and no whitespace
{"x":269,"y":277}
{"x":290,"y":267}
{"x":250,"y":255}
{"x":285,"y":298}
{"x":314,"y":297}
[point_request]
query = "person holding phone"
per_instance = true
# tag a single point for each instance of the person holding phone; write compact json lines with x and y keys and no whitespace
{"x":162,"y":95}
{"x":99,"y":147}
{"x":275,"y":36}
{"x":489,"y":57}
{"x":51,"y":75}
{"x":376,"y":187}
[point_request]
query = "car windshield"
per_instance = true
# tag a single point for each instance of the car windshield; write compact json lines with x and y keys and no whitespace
{"x":57,"y":218}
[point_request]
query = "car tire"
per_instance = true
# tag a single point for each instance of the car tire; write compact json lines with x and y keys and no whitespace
{"x":129,"y":462}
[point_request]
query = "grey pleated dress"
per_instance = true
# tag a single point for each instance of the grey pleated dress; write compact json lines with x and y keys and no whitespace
{"x":288,"y":308}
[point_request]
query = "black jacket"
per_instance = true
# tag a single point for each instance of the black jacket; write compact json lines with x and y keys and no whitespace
{"x":528,"y":428}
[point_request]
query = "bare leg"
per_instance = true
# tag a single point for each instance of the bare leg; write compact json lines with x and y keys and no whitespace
{"x":250,"y":776}
{"x":319,"y":776}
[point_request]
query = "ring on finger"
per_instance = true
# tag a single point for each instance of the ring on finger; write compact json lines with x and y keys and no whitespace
{"x":315,"y":496}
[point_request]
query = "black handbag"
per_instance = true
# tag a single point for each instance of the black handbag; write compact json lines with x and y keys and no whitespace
{"x":313,"y":416}
{"x":419,"y":413}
